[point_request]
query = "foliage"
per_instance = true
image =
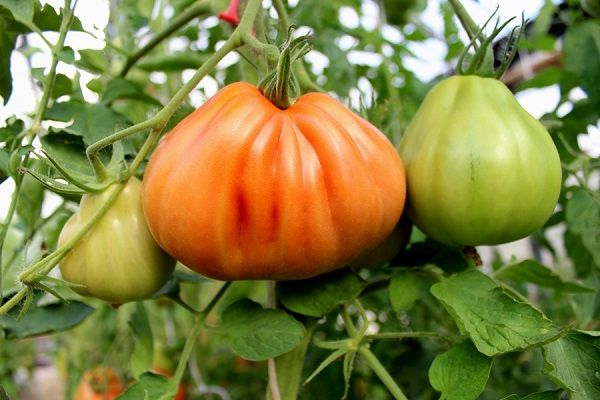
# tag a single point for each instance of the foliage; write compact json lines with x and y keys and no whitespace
{"x":428,"y":320}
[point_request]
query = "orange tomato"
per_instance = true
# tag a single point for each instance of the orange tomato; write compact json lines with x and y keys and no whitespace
{"x":100,"y":383}
{"x":241,"y":189}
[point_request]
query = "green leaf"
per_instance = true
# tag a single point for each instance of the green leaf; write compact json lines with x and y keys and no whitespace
{"x":68,"y":149}
{"x":31,"y":197}
{"x":530,"y":271}
{"x":404,"y":291}
{"x":62,"y":86}
{"x":92,"y":60}
{"x":573,"y":361}
{"x":258,"y":334}
{"x":151,"y":386}
{"x":7,"y":44}
{"x":581,"y":258}
{"x":582,"y":57}
{"x":66,"y":55}
{"x":461,"y":373}
{"x":583,"y":218}
{"x":317,"y":296}
{"x":22,"y":10}
{"x":141,"y":359}
{"x":123,"y":89}
{"x":44,"y":319}
{"x":495,"y":321}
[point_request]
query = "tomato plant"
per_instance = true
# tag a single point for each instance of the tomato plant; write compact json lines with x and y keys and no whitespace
{"x":100,"y":383}
{"x":276,"y":194}
{"x":482,"y":170}
{"x":331,"y":191}
{"x":117,"y":261}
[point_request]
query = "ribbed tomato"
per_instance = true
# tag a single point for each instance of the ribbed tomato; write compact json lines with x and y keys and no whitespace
{"x":118,"y":260}
{"x":480,"y":169}
{"x":100,"y":383}
{"x":244,"y":190}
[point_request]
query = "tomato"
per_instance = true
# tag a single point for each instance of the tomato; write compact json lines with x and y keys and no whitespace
{"x":100,"y":383}
{"x":480,"y":169}
{"x":118,"y":260}
{"x":241,"y":189}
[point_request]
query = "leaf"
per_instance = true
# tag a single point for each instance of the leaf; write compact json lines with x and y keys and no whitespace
{"x":404,"y":291}
{"x":68,"y":149}
{"x":141,"y":359}
{"x":62,"y":86}
{"x":495,"y":321}
{"x":530,"y":271}
{"x":92,"y":60}
{"x":317,"y":296}
{"x":582,"y":57}
{"x":150,"y":386}
{"x":7,"y":44}
{"x":461,"y":373}
{"x":580,"y":256}
{"x":66,"y":54}
{"x":257,"y":334}
{"x":31,"y":197}
{"x":44,"y":319}
{"x":22,"y":10}
{"x":47,"y":19}
{"x":583,"y":218}
{"x":573,"y":361}
{"x":120,"y":88}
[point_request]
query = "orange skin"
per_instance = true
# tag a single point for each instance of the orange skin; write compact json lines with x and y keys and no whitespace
{"x":241,"y":189}
{"x":101,"y":383}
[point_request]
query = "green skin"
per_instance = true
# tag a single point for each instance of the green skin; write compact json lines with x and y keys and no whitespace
{"x":118,"y":260}
{"x":480,"y":169}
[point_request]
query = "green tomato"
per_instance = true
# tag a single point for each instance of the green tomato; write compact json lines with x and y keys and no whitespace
{"x":118,"y":260}
{"x":480,"y":169}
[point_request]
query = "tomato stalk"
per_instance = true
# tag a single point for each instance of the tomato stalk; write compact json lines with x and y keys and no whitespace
{"x":191,"y":339}
{"x":280,"y":86}
{"x":302,"y":75}
{"x":482,"y":61}
{"x":158,"y":122}
{"x":36,"y":125}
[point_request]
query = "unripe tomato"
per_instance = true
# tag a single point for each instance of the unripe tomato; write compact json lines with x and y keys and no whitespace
{"x":480,"y":169}
{"x":100,"y":383}
{"x":118,"y":260}
{"x":241,"y":189}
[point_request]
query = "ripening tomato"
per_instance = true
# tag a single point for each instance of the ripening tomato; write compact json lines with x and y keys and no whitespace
{"x":241,"y":189}
{"x":118,"y":260}
{"x":480,"y":169}
{"x":100,"y":383}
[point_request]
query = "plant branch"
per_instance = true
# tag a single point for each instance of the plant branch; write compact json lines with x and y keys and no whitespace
{"x":159,"y":121}
{"x":197,"y":9}
{"x":381,"y":372}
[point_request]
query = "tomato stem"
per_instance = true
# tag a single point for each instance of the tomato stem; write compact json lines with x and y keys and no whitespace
{"x":280,"y":86}
{"x":381,"y":372}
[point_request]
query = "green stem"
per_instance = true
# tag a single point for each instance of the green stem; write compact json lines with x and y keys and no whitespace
{"x":191,"y":339}
{"x":42,"y":107}
{"x":348,"y":323}
{"x":6,"y":307}
{"x":162,"y":117}
{"x":465,"y":19}
{"x":299,"y":69}
{"x":382,"y":373}
{"x":195,"y":10}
